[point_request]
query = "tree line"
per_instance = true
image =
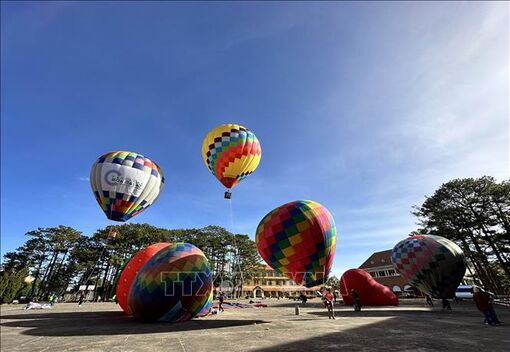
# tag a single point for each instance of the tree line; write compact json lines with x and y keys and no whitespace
{"x":475,"y":214}
{"x":58,"y":258}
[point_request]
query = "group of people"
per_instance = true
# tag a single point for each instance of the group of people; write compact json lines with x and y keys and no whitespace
{"x":481,"y":298}
{"x":329,"y":298}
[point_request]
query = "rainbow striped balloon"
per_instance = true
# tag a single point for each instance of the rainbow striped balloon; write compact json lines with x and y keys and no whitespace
{"x":174,"y":285}
{"x":231,"y":152}
{"x":125,"y":184}
{"x":433,"y":264}
{"x":299,"y":239}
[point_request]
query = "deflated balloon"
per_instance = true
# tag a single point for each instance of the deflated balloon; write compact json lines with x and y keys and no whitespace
{"x":125,"y":184}
{"x":130,"y":271}
{"x":298,"y":239}
{"x":371,"y":293}
{"x":174,"y":285}
{"x":231,"y":152}
{"x":433,"y":264}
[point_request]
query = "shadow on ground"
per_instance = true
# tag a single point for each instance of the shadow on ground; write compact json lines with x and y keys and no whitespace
{"x":390,"y":313}
{"x":412,"y":330}
{"x":107,"y":323}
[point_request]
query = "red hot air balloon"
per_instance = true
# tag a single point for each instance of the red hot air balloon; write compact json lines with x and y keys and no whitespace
{"x":130,"y":271}
{"x":371,"y":292}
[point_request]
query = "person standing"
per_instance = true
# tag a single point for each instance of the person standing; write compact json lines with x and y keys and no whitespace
{"x":483,"y":302}
{"x":327,"y":296}
{"x":446,"y":304}
{"x":357,"y":301}
{"x":303,"y":298}
{"x":429,"y":300}
{"x":220,"y":300}
{"x":80,"y":301}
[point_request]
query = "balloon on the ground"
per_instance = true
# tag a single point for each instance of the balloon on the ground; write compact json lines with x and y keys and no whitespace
{"x":131,"y":269}
{"x":125,"y":184}
{"x":174,"y":285}
{"x":207,"y":306}
{"x":371,"y":293}
{"x":298,"y":239}
{"x":433,"y":264}
{"x":231,"y":152}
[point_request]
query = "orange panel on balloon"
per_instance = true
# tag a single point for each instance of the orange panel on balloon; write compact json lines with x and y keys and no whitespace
{"x":129,"y":273}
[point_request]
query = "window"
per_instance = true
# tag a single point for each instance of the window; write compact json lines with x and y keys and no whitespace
{"x":391,"y":272}
{"x":381,"y":273}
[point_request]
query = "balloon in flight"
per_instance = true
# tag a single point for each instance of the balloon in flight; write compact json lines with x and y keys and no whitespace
{"x":231,"y":152}
{"x":125,"y":184}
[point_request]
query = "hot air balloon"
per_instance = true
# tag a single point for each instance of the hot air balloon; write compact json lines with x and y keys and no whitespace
{"x":231,"y":152}
{"x":174,"y":285}
{"x":125,"y":184}
{"x":298,"y":239}
{"x":433,"y":264}
{"x":371,"y":293}
{"x":130,"y":271}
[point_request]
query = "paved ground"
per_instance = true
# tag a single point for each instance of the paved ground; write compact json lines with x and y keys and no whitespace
{"x":410,"y":327}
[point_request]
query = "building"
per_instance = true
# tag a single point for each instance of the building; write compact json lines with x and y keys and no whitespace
{"x":267,"y":282}
{"x":380,"y":267}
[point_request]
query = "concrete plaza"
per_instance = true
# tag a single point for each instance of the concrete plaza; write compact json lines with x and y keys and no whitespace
{"x":410,"y":327}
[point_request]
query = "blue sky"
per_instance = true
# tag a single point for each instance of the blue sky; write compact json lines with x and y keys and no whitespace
{"x":363,"y":107}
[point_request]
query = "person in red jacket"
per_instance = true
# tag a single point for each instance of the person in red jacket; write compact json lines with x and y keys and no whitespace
{"x":327,"y":296}
{"x":483,"y":302}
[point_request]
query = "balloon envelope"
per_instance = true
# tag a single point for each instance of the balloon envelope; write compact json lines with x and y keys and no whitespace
{"x":371,"y":293}
{"x":231,"y":152}
{"x":130,"y":271}
{"x":433,"y":264}
{"x":125,"y":184}
{"x":174,"y":285}
{"x":298,"y":239}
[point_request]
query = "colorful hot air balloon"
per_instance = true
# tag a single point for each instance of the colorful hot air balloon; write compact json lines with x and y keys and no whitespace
{"x":371,"y":293}
{"x":433,"y":264}
{"x":174,"y":285}
{"x":207,"y":306}
{"x":298,"y":239}
{"x":125,"y":184}
{"x":231,"y":152}
{"x":130,"y":271}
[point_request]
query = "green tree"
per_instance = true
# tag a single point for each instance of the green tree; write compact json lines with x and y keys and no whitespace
{"x":475,"y":214}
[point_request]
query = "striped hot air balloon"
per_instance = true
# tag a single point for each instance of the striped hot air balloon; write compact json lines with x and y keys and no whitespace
{"x":131,"y":269}
{"x":174,"y":285}
{"x":231,"y":152}
{"x":125,"y":184}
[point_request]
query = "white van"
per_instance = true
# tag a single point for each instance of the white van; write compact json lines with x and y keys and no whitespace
{"x":464,"y":292}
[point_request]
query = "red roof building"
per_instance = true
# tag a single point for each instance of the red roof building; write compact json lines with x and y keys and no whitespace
{"x":380,"y":267}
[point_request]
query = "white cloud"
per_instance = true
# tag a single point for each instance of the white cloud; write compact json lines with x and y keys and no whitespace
{"x":84,"y":178}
